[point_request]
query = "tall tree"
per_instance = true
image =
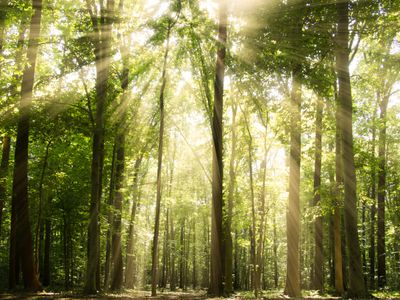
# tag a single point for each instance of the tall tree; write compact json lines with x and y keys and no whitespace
{"x":292,"y":286}
{"x":229,"y":211}
{"x":356,"y":279}
{"x":381,"y":253}
{"x":154,"y":262}
{"x":318,"y":273}
{"x":101,"y":39}
{"x":117,"y":264}
{"x":6,"y":139}
{"x":21,"y":247}
{"x":338,"y":200}
{"x":216,"y":282}
{"x":5,"y":157}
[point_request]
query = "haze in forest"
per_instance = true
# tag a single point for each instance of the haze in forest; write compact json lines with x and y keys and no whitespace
{"x":199,"y":148}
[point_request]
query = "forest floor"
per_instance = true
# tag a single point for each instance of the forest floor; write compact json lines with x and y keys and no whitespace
{"x":193,"y":295}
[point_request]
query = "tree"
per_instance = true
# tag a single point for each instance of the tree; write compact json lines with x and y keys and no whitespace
{"x":21,"y":248}
{"x":356,"y":279}
{"x":318,"y":277}
{"x":3,"y":175}
{"x":102,"y":50}
{"x":216,"y":282}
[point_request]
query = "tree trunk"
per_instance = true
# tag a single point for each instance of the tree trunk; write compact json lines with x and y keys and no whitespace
{"x":194,"y":262}
{"x":46,"y":257}
{"x":154,"y":263}
{"x":163,"y":281}
{"x":318,"y":282}
{"x":110,"y":216}
{"x":381,"y":194}
{"x":66,"y":258}
{"x":117,"y":265}
{"x":356,"y":278}
{"x":228,"y":289}
{"x":39,"y":225}
{"x":236,"y":267}
{"x":372,"y":208}
{"x":182,"y":255}
{"x":253,"y":262}
{"x":102,"y":51}
{"x":5,"y":158}
{"x":20,"y":235}
{"x":260,"y":243}
{"x":130,"y":275}
{"x":216,"y":282}
{"x":275,"y":246}
{"x":292,"y":287}
{"x":173,"y":252}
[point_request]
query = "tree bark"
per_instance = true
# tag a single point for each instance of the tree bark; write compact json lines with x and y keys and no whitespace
{"x":130,"y":259}
{"x":154,"y":263}
{"x":46,"y":257}
{"x":381,"y":194}
{"x":182,"y":256}
{"x":110,"y":217}
{"x":102,"y":50}
{"x":216,"y":282}
{"x":117,"y":265}
{"x":5,"y":159}
{"x":39,"y":225}
{"x":260,"y":242}
{"x":20,"y":235}
{"x":229,"y":211}
{"x":318,"y":282}
{"x":356,"y":279}
{"x":173,"y":251}
{"x":372,"y":253}
{"x":292,"y":287}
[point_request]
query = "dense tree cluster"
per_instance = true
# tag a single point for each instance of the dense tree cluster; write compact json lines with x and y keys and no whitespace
{"x":199,"y":144}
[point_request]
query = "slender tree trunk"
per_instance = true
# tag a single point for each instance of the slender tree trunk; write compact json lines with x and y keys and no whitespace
{"x":217,"y":272}
{"x":163,"y":281}
{"x":173,"y":251}
{"x":66,"y":258}
{"x":338,"y":204}
{"x":182,"y":255}
{"x":236,"y":267}
{"x":332,"y":245}
{"x":318,"y":282}
{"x":46,"y":258}
{"x":373,"y":208}
{"x":381,"y":194}
{"x":228,"y":223}
{"x":110,"y":216}
{"x":102,"y":49}
{"x":20,"y":236}
{"x":275,"y":246}
{"x":117,"y":265}
{"x":39,"y":225}
{"x":194,"y":261}
{"x":260,"y":243}
{"x":130,"y":259}
{"x":5,"y":158}
{"x":154,"y":271}
{"x":356,"y":278}
{"x":292,"y":287}
{"x":254,"y":283}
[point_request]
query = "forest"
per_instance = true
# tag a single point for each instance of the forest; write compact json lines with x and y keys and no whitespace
{"x":200,"y":148}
